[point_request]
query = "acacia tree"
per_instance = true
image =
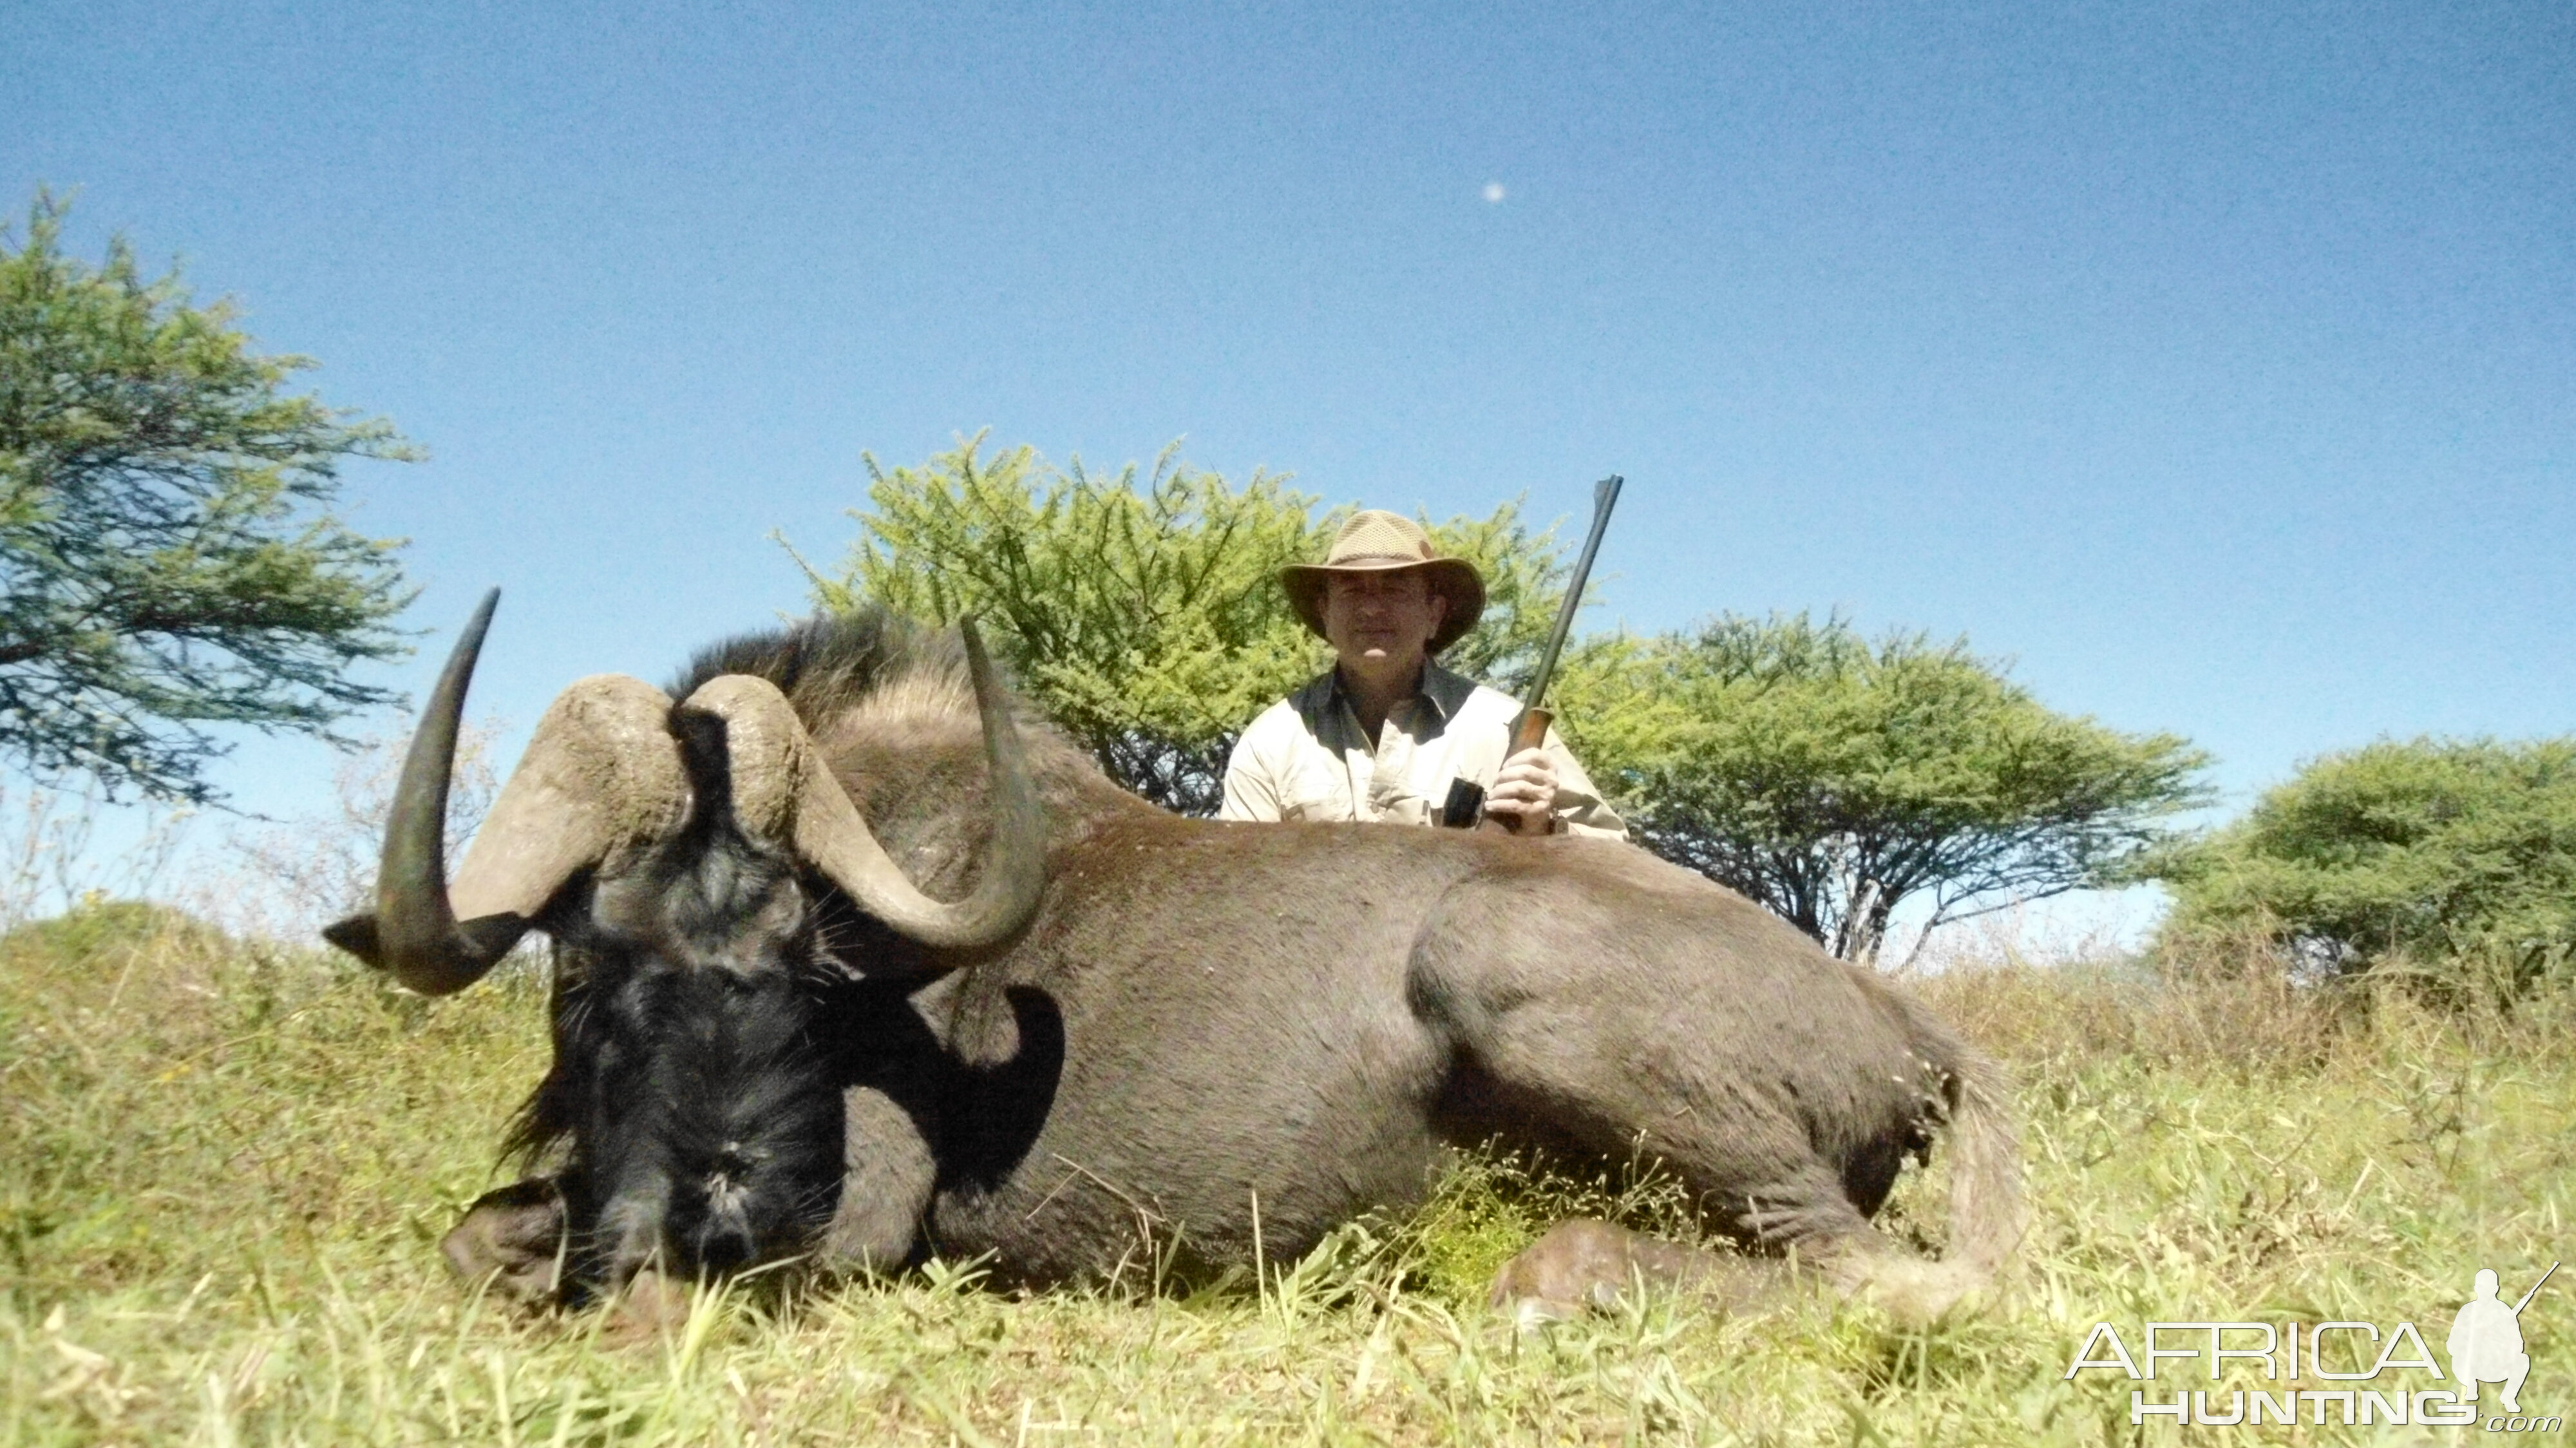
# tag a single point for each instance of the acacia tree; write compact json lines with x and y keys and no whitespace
{"x":168,"y":557}
{"x":1832,"y":778}
{"x":1144,"y":611}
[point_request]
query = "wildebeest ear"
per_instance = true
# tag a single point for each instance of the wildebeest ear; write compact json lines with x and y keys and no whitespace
{"x":357,"y":935}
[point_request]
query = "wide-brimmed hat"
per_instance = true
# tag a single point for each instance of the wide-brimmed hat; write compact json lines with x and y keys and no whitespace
{"x":1376,"y":541}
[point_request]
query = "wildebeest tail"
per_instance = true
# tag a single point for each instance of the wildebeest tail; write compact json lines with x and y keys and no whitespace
{"x":1988,"y":1214}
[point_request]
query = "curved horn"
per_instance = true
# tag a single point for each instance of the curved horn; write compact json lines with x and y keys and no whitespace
{"x":600,"y":771}
{"x":784,"y":791}
{"x":412,"y":932}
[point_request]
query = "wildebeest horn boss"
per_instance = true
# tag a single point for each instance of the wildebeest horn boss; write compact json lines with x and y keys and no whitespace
{"x":857,"y":959}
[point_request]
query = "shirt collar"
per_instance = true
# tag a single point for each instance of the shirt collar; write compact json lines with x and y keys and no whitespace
{"x":1444,"y":691}
{"x":1447,"y":691}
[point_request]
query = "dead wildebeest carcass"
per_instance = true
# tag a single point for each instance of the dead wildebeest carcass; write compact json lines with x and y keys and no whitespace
{"x":856,"y":961}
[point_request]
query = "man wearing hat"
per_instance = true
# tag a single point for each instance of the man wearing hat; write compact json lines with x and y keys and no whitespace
{"x":1381,"y":735}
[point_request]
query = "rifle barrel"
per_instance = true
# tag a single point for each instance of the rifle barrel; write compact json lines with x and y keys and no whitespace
{"x":2535,"y":1290}
{"x":1605,"y":495}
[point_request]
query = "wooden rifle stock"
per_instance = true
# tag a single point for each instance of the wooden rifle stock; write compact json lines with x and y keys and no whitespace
{"x":1528,"y":732}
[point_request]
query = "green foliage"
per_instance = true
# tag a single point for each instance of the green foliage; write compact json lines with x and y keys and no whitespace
{"x":1144,"y":612}
{"x":2424,"y":854}
{"x":168,"y":559}
{"x":1830,"y":777}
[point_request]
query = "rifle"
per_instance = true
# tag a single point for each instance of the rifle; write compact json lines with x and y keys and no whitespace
{"x":1529,"y":731}
{"x":2535,"y":1290}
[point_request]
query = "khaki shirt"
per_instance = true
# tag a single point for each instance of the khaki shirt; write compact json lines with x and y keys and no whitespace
{"x":1307,"y":758}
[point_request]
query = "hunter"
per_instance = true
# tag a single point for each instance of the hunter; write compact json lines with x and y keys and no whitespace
{"x":1384,"y":733}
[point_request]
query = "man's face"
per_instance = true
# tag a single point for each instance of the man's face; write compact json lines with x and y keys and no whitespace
{"x":1381,"y":621}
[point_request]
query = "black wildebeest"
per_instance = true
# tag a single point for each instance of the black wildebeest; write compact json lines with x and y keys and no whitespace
{"x":854,"y":960}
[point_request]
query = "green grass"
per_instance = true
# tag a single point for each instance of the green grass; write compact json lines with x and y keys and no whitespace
{"x":224,"y":1168}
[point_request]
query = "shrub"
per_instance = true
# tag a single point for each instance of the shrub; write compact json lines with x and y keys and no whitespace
{"x":2443,"y":859}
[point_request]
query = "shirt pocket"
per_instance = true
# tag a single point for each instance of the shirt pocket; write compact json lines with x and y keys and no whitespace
{"x":1315,"y":795}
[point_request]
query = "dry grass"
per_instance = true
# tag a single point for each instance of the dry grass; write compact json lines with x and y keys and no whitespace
{"x":223,"y":1169}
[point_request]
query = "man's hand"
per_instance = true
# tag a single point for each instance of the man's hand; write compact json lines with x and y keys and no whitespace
{"x":1525,"y":792}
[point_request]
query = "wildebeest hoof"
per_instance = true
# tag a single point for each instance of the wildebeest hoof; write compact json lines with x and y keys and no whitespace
{"x":1587,"y":1263}
{"x":1918,"y":1294}
{"x":513,"y":1240}
{"x":654,"y":1305}
{"x":1529,"y":1314}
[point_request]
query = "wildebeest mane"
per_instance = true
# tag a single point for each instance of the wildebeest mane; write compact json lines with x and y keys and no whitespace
{"x":889,"y":702}
{"x":888,"y":674}
{"x":830,"y":662}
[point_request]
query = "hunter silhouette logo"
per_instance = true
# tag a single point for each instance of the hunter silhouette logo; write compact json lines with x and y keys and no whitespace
{"x":2486,"y":1342}
{"x":2485,"y":1347}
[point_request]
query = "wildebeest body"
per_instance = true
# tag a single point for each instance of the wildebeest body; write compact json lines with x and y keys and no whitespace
{"x":1201,"y":1024}
{"x":1392,"y":991}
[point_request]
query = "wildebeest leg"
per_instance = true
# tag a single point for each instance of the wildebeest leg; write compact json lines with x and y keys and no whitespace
{"x":1587,"y":1263}
{"x":1548,"y":1052}
{"x":887,"y":1177}
{"x":1810,"y":1216}
{"x":1757,"y":1179}
{"x":514,"y":1238}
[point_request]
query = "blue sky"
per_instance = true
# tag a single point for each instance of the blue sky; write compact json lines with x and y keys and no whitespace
{"x":2217,"y":363}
